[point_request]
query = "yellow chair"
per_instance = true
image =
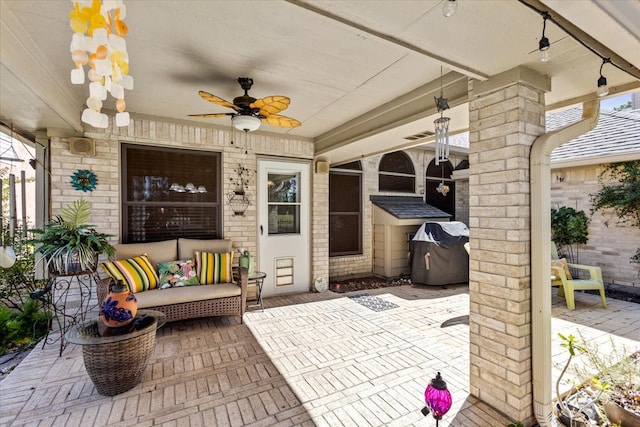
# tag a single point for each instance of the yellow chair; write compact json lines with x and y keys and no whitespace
{"x":566,"y":287}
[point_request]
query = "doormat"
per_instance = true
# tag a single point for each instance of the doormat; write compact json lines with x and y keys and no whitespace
{"x":372,"y":302}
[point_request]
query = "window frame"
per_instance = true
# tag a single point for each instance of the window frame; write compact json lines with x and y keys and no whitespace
{"x":126,"y":201}
{"x":350,"y":172}
{"x":382,"y":174}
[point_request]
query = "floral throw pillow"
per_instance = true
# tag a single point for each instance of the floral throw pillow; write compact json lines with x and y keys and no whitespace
{"x":177,"y":273}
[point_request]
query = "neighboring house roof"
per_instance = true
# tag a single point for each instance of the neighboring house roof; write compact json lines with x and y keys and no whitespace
{"x":615,"y":138}
{"x":407,"y":207}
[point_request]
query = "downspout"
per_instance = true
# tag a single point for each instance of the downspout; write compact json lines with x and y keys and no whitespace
{"x":540,"y":170}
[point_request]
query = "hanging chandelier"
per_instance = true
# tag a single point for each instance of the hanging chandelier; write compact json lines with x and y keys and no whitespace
{"x":105,"y":50}
{"x":441,"y":127}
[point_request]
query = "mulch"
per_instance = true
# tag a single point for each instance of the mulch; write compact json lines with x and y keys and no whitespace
{"x":367,"y":283}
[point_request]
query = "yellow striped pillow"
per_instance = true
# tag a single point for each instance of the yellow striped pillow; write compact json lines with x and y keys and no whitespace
{"x":138,"y":273}
{"x":214,"y":268}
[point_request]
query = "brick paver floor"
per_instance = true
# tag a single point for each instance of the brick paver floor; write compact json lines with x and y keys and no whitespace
{"x":307,"y":360}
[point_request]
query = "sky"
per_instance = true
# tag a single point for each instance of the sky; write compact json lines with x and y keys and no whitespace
{"x":608,"y":104}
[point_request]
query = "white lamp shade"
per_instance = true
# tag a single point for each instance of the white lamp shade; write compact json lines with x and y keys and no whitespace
{"x":245,"y":123}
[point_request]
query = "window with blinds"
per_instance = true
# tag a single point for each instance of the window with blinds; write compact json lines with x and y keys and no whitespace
{"x":345,"y":210}
{"x":396,"y":173}
{"x":169,"y":193}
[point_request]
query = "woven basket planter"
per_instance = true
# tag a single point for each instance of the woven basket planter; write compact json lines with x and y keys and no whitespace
{"x":115,"y":364}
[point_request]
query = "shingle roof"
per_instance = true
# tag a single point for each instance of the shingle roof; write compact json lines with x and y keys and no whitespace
{"x":617,"y":134}
{"x":407,"y":207}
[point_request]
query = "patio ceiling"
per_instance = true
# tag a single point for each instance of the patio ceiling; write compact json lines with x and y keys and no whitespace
{"x":361,"y":75}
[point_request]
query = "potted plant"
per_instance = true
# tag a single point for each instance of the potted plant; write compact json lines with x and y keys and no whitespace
{"x":576,"y":408}
{"x":68,"y":244}
{"x":621,"y":371}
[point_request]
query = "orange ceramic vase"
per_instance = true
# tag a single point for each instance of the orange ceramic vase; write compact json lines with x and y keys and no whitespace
{"x":119,"y":307}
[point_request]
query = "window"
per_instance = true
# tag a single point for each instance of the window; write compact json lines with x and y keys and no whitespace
{"x":435,"y":176}
{"x":396,"y":173}
{"x":345,"y":209}
{"x":284,"y":203}
{"x":169,"y":193}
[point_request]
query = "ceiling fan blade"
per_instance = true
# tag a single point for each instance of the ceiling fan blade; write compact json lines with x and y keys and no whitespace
{"x":281,"y":121}
{"x":211,"y":116}
{"x":216,"y":100}
{"x":271,"y":104}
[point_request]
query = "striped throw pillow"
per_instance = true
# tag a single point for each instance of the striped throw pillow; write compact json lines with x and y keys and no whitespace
{"x":214,"y":267}
{"x":138,"y":273}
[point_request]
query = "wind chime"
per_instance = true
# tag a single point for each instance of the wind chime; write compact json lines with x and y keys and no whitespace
{"x":104,"y":49}
{"x":7,"y":254}
{"x":442,"y":127}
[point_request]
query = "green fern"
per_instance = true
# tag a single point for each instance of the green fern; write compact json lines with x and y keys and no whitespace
{"x":76,"y":214}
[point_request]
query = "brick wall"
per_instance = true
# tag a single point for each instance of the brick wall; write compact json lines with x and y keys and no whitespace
{"x":608,"y":247}
{"x":236,"y":148}
{"x":359,"y":265}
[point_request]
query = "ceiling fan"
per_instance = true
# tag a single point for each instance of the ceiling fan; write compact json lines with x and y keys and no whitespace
{"x":249,"y":111}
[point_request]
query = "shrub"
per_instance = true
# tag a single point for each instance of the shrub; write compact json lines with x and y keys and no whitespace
{"x":19,"y":328}
{"x":623,"y":197}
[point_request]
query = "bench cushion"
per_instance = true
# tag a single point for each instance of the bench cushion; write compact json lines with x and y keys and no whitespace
{"x":184,"y":294}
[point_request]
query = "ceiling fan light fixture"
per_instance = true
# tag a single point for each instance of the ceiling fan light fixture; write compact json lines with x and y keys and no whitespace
{"x":245,"y":123}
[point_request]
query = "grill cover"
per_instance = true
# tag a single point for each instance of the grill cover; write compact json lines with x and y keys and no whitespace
{"x":437,"y":255}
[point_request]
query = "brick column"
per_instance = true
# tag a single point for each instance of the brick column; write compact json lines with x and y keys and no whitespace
{"x":506,"y":114}
{"x":320,"y":225}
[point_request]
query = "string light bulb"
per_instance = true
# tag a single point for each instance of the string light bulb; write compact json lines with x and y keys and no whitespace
{"x":449,"y":8}
{"x":603,"y":89}
{"x":543,"y":44}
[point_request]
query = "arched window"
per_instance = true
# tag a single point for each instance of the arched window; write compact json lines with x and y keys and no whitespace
{"x":440,"y":189}
{"x":396,"y":173}
{"x":345,"y":209}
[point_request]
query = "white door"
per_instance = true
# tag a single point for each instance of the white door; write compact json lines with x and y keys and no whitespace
{"x":283,"y":226}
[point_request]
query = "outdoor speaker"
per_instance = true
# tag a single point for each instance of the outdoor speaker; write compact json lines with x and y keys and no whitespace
{"x":322,"y":166}
{"x":82,"y":146}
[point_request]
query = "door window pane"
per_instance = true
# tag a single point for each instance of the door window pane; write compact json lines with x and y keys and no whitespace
{"x":284,"y":203}
{"x":284,"y":219}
